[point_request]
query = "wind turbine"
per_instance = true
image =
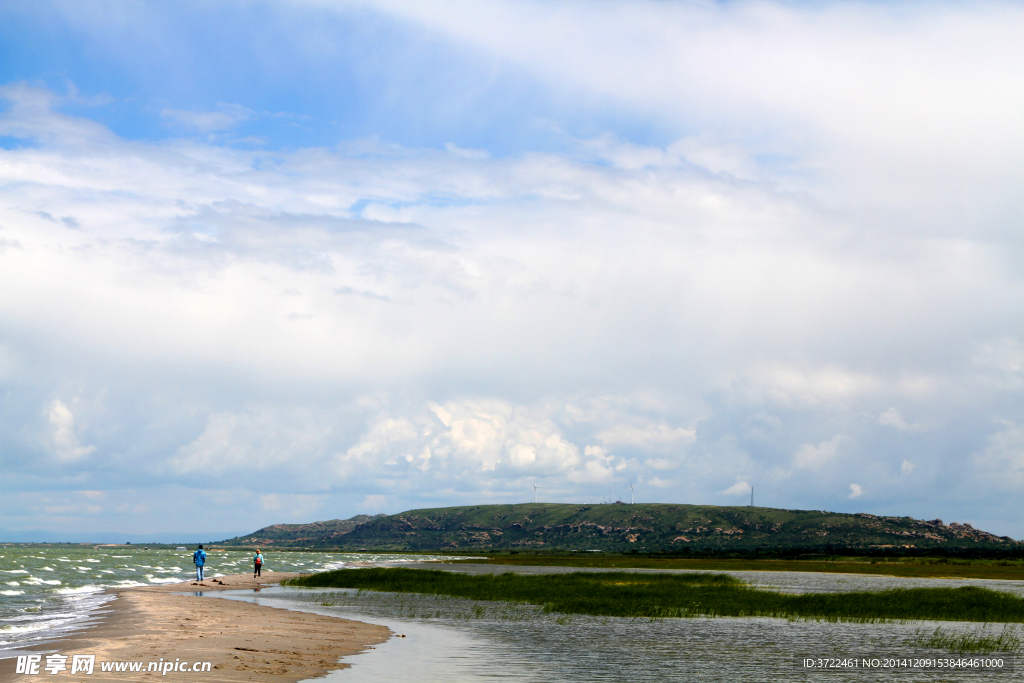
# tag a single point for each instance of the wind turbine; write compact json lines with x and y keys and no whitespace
{"x":751,"y":496}
{"x":630,"y":494}
{"x":534,"y":493}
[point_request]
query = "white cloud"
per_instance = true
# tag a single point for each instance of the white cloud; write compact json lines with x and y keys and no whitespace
{"x":63,"y":437}
{"x":855,"y":491}
{"x":740,"y":488}
{"x":292,"y":508}
{"x":893,"y":418}
{"x":1005,"y":355}
{"x":226,"y":117}
{"x":814,"y":456}
{"x":907,"y":467}
{"x":252,"y":440}
{"x":646,"y":435}
{"x":1000,"y":466}
{"x":661,"y":464}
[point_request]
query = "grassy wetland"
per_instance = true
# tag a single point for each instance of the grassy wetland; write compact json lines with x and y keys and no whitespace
{"x":1009,"y":640}
{"x":910,"y":567}
{"x":657,"y":596}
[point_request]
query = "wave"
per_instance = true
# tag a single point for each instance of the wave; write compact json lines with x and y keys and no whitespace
{"x":35,"y":581}
{"x":12,"y":592}
{"x":81,"y":589}
{"x":37,"y":626}
{"x":153,"y":579}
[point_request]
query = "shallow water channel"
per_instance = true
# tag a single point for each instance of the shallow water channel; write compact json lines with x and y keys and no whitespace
{"x":463,"y":641}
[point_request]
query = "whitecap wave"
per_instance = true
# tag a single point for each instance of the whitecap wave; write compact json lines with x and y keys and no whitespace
{"x":34,"y":581}
{"x":14,"y":571}
{"x":153,"y":579}
{"x":11,"y":628}
{"x":13,"y":583}
{"x":36,"y":626}
{"x":12,"y":592}
{"x":81,"y":589}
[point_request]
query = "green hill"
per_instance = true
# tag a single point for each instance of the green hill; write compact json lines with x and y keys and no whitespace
{"x":314,"y":534}
{"x":619,"y":527}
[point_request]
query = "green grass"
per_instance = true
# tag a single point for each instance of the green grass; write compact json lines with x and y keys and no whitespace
{"x":922,"y":567}
{"x":962,"y":643}
{"x":632,"y":595}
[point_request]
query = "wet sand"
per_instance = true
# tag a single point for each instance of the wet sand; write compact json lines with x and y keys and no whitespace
{"x":244,"y":642}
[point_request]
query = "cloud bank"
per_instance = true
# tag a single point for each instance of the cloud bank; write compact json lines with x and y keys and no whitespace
{"x":811,"y":278}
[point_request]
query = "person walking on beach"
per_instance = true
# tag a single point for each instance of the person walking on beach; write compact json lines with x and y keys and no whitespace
{"x":199,"y":557}
{"x":257,"y":563}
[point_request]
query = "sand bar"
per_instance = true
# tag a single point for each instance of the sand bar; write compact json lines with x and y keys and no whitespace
{"x":243,"y":641}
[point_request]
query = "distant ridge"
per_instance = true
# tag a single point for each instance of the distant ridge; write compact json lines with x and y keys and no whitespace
{"x":45,"y":536}
{"x":313,"y":534}
{"x":620,"y":527}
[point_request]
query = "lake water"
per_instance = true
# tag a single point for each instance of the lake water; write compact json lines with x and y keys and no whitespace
{"x":788,"y":582}
{"x":451,"y":640}
{"x":46,"y":590}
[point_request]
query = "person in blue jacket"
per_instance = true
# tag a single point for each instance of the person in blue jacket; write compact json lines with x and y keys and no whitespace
{"x":257,"y":562}
{"x":199,"y":557}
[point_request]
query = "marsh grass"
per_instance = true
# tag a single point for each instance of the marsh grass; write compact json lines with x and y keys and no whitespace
{"x":659,"y":596}
{"x":1009,"y":640}
{"x":927,"y":567}
{"x":425,"y":606}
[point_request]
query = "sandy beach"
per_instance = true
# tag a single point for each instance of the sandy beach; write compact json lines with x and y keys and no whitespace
{"x":243,"y":642}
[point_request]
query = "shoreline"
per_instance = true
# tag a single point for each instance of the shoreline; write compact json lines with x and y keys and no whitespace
{"x":241,"y":640}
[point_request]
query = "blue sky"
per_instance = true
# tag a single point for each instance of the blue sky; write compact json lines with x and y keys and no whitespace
{"x":294,"y":74}
{"x":286,"y":261}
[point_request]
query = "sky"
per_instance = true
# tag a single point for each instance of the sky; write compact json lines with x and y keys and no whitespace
{"x":294,"y":260}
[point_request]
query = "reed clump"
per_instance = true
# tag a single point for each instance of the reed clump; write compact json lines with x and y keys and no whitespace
{"x":1009,"y":640}
{"x":635,"y":595}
